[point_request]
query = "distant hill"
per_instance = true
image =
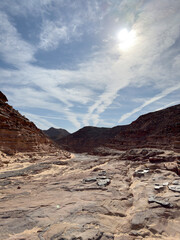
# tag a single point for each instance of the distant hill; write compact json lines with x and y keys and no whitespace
{"x":160,"y":129}
{"x":56,"y":133}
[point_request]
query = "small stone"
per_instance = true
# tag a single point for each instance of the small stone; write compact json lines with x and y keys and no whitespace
{"x":103,"y":182}
{"x":175,"y":188}
{"x":141,"y":172}
{"x":86,"y":180}
{"x":176,"y":182}
{"x":160,"y":187}
{"x":134,"y":233}
{"x":102,"y":177}
{"x":102,"y":173}
{"x":161,"y":201}
{"x":165,"y":183}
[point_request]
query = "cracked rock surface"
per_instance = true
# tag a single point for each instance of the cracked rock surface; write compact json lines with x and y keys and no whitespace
{"x":89,"y":197}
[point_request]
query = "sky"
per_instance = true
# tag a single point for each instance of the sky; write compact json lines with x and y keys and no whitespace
{"x":75,"y":63}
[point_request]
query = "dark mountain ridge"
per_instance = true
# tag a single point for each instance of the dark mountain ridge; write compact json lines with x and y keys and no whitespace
{"x":160,"y":129}
{"x":56,"y":133}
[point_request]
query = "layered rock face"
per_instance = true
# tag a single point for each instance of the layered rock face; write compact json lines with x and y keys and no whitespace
{"x":56,"y":133}
{"x":160,"y":129}
{"x":17,"y":133}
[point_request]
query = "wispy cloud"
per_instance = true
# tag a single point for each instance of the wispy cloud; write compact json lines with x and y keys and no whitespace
{"x":31,"y":98}
{"x":168,"y":105}
{"x":150,"y":101}
{"x":58,"y":28}
{"x":52,"y":34}
{"x":39,"y":121}
{"x":12,"y":47}
{"x":30,"y":7}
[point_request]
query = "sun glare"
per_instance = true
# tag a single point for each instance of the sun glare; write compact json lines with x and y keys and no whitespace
{"x":126,"y":39}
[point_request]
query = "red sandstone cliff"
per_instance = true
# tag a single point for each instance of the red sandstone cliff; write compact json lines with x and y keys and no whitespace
{"x":17,"y":133}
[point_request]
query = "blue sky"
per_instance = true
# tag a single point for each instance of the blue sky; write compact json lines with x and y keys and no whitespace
{"x":73,"y":63}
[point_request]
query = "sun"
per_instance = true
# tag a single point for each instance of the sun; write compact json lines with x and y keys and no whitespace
{"x":126,"y":39}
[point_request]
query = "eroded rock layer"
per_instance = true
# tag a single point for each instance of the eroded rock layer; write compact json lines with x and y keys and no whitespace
{"x":160,"y":129}
{"x":17,"y":133}
{"x":126,"y":195}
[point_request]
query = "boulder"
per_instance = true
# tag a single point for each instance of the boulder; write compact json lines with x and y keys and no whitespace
{"x":174,"y":188}
{"x":103,"y":182}
{"x":163,"y":202}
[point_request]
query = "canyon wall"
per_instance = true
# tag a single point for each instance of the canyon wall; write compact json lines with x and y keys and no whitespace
{"x":17,"y":133}
{"x":160,"y":129}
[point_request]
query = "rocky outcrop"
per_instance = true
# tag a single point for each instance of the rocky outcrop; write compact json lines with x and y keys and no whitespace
{"x":17,"y":133}
{"x":160,"y":129}
{"x":3,"y":97}
{"x":88,"y":197}
{"x":56,"y":133}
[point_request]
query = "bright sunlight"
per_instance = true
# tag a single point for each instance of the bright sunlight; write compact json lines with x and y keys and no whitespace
{"x":126,"y":39}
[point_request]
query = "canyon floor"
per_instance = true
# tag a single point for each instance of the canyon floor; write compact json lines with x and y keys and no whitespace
{"x":126,"y":195}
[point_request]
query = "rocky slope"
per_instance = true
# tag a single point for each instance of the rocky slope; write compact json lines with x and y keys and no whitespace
{"x":56,"y":133}
{"x":17,"y":133}
{"x":160,"y":129}
{"x":126,"y":195}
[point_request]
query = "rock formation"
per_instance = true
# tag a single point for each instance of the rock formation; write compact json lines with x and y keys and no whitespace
{"x":17,"y":133}
{"x":160,"y":129}
{"x":120,"y":196}
{"x":56,"y":133}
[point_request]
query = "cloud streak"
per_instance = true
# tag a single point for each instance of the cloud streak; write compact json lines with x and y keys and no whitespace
{"x":150,"y":101}
{"x":39,"y":120}
{"x":13,"y":49}
{"x":51,"y":35}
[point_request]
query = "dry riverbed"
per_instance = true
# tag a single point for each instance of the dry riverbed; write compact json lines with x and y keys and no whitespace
{"x":123,"y":196}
